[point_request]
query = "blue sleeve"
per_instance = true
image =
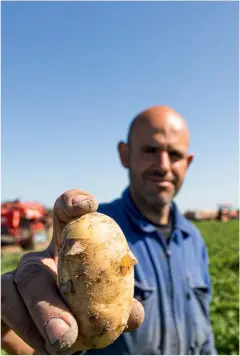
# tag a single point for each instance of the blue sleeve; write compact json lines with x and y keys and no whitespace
{"x":208,"y":348}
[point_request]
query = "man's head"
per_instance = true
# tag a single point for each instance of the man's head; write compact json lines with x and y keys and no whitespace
{"x":156,"y":155}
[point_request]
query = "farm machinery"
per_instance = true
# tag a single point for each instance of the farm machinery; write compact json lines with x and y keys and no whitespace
{"x":227,"y":212}
{"x":24,"y":223}
{"x":224,"y":212}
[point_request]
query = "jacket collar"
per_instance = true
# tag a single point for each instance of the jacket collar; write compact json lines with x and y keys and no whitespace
{"x":178,"y":220}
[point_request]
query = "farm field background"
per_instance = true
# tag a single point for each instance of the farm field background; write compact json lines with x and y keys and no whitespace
{"x":223,"y":247}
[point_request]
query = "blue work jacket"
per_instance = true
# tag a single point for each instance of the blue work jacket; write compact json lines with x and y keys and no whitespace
{"x":171,"y":281}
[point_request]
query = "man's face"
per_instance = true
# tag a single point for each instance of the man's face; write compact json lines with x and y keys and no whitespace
{"x":157,"y":162}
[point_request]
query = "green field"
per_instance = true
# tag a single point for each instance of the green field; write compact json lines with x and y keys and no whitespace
{"x":223,"y":248}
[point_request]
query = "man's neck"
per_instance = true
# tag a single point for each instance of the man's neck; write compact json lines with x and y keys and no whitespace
{"x":158,"y":216}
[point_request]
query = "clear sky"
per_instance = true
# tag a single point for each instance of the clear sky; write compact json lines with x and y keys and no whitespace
{"x":74,"y":74}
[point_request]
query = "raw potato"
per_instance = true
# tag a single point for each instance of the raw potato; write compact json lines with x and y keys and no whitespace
{"x":96,"y":278}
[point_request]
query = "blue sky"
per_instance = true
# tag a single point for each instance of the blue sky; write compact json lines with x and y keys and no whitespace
{"x":74,"y":74}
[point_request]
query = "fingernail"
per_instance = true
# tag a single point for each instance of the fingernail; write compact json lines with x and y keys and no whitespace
{"x":78,"y":199}
{"x":83,"y":200}
{"x":55,"y":328}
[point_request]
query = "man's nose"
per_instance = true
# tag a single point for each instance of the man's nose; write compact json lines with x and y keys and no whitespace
{"x":163,"y":161}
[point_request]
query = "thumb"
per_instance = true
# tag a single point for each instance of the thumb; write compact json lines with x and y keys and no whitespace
{"x":68,"y":206}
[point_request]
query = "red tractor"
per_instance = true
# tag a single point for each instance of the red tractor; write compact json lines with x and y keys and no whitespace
{"x":24,"y":223}
{"x":227,"y":212}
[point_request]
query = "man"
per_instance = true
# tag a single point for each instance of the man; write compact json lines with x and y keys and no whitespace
{"x":171,"y":279}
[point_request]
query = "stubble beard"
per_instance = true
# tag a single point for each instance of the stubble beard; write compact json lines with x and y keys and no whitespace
{"x":147,"y":200}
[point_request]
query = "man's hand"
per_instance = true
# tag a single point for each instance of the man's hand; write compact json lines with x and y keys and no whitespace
{"x":35,"y":320}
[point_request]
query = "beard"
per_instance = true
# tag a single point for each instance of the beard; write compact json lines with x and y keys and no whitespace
{"x":155,"y":200}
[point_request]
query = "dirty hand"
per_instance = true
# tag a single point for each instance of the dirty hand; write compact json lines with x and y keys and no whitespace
{"x":35,"y":320}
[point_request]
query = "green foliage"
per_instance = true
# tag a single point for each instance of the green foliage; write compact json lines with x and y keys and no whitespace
{"x":10,"y":261}
{"x":223,"y":249}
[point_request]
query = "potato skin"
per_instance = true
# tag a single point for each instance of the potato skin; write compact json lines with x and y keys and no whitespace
{"x":96,"y":278}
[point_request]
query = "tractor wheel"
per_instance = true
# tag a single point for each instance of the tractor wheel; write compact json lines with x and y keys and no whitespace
{"x":27,"y":244}
{"x":26,"y":241}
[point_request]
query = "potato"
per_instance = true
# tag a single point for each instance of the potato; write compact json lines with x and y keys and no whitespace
{"x":96,"y":278}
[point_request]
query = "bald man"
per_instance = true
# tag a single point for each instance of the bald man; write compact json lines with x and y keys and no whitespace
{"x":172,"y":281}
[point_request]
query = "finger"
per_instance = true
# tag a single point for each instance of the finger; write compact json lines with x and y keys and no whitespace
{"x":15,"y":315}
{"x":71,"y":204}
{"x":36,"y":283}
{"x":12,"y":343}
{"x":136,"y":316}
{"x":135,"y":320}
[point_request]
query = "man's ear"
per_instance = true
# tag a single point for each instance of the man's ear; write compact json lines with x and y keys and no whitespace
{"x":190,"y":158}
{"x":123,"y":151}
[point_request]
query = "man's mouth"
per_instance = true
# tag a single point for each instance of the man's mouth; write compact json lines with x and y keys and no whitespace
{"x":161,"y":182}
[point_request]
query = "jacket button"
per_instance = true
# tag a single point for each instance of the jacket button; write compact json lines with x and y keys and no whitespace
{"x":188,"y":295}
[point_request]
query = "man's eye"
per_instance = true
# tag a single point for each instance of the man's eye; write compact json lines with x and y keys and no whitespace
{"x":175,"y":155}
{"x":149,"y":150}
